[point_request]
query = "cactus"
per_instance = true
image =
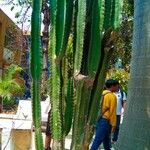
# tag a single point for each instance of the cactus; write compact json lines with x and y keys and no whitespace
{"x":60,"y":19}
{"x":80,"y":28}
{"x":78,"y":75}
{"x":59,"y":33}
{"x":94,"y":54}
{"x":116,"y":15}
{"x":36,"y":56}
{"x":69,"y":107}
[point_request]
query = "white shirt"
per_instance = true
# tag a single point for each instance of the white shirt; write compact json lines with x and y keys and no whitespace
{"x":119,"y":101}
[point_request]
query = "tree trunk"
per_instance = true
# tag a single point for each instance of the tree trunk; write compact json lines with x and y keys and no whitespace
{"x":45,"y":41}
{"x":135,"y":133}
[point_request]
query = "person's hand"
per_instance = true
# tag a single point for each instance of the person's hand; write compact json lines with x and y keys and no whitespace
{"x":113,"y":129}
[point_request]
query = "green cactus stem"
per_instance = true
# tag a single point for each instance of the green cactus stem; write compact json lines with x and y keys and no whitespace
{"x":107,"y":14}
{"x":68,"y":24}
{"x":92,"y":18}
{"x":116,"y":13}
{"x":36,"y":58}
{"x":60,"y":24}
{"x":76,"y":137}
{"x":108,"y":40}
{"x":54,"y":78}
{"x":80,"y":28}
{"x":94,"y":54}
{"x":69,"y":107}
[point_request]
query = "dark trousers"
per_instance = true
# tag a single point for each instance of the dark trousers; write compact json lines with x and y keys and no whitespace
{"x":116,"y":133}
{"x":103,"y":132}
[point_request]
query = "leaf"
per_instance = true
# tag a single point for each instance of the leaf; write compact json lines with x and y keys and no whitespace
{"x":12,"y":8}
{"x":17,"y":15}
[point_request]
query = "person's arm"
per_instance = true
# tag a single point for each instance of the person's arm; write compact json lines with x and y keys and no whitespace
{"x":105,"y":104}
{"x":124,"y":103}
{"x":112,"y":110}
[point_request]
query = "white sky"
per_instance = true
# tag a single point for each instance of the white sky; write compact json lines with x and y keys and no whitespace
{"x":11,"y":14}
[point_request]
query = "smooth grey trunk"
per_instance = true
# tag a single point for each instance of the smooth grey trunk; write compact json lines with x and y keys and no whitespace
{"x":135,"y":131}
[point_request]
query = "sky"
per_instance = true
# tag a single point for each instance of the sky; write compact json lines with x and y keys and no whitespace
{"x":11,"y":14}
{"x":26,"y":26}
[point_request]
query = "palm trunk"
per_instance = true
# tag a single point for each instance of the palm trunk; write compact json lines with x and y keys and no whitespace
{"x":135,"y":129}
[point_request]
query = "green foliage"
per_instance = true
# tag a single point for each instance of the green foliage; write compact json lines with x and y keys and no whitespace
{"x":124,"y":42}
{"x":8,"y":101}
{"x":122,"y":76}
{"x":8,"y":84}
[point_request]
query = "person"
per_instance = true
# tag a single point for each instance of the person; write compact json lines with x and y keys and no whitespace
{"x":121,"y":103}
{"x":107,"y":120}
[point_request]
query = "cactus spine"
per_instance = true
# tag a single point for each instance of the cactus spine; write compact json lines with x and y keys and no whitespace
{"x":36,"y":56}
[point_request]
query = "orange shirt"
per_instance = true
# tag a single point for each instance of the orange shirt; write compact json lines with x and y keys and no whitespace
{"x":109,"y":105}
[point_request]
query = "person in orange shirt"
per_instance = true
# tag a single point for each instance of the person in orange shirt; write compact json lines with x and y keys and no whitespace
{"x":107,"y":120}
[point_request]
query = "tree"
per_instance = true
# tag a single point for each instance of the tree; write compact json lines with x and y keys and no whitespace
{"x":124,"y":42}
{"x":135,"y":129}
{"x":11,"y":84}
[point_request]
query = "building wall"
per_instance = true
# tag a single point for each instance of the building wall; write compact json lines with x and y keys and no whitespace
{"x":10,"y":34}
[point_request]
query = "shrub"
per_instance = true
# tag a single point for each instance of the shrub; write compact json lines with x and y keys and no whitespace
{"x":122,"y":76}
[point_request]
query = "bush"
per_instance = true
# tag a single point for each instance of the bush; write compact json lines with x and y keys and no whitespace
{"x":122,"y":76}
{"x":8,"y":101}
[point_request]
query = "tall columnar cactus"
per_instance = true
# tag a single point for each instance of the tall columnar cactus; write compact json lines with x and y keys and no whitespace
{"x":36,"y":66}
{"x":78,"y":75}
{"x":59,"y":34}
{"x":79,"y":30}
{"x":99,"y":54}
{"x":55,"y":75}
{"x":107,"y":46}
{"x":94,"y":54}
